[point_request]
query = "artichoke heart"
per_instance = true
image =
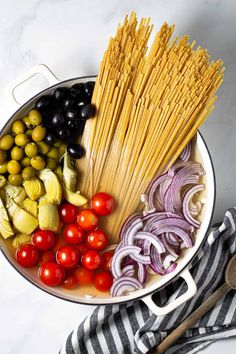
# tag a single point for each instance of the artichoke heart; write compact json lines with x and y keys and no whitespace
{"x":5,"y":225}
{"x":74,"y":198}
{"x":3,"y":181}
{"x":18,"y":194}
{"x":69,"y":174}
{"x":31,"y":207}
{"x":52,"y":186}
{"x":23,"y":221}
{"x":34,"y":188}
{"x":20,"y":239}
{"x":48,"y":216}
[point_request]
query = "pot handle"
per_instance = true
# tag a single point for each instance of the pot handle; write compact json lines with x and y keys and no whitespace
{"x":164,"y":310}
{"x":35,"y":70}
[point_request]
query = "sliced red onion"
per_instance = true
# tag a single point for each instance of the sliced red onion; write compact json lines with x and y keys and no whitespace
{"x":128,"y":270}
{"x":146,"y":247}
{"x":142,"y":273}
{"x":188,"y":196}
{"x":141,"y":258}
{"x":173,"y":239}
{"x":155,"y":241}
{"x":128,"y":223}
{"x":124,"y":285}
{"x":153,"y":195}
{"x":156,"y":263}
{"x":181,"y":223}
{"x":118,"y":257}
{"x":169,"y":248}
{"x":168,"y":260}
{"x":171,"y":268}
{"x":180,"y":232}
{"x":186,"y":153}
{"x":133,"y":229}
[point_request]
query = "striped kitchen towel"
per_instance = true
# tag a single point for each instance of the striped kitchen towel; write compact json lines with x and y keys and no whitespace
{"x":133,"y":328}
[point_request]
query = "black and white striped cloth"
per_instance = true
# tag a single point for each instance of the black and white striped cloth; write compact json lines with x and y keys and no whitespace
{"x":133,"y":328}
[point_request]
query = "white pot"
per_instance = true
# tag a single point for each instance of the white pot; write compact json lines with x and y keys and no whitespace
{"x":155,"y":283}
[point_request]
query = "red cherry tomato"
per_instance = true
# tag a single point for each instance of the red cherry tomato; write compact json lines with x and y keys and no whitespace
{"x":106,"y":260}
{"x":73,"y":234}
{"x":84,"y":276}
{"x":103,"y":204}
{"x":68,"y":212}
{"x":60,"y":241}
{"x":45,"y":257}
{"x":68,"y":257}
{"x":43,"y":239}
{"x":103,"y":281}
{"x":51,"y":273}
{"x":97,"y":240}
{"x":27,"y":255}
{"x":91,"y":260}
{"x":82,"y":248}
{"x":70,"y":282}
{"x":87,"y":219}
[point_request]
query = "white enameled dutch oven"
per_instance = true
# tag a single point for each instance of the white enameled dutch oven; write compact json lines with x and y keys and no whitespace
{"x":154,"y":283}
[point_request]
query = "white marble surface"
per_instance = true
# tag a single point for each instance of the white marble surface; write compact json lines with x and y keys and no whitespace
{"x":70,"y":36}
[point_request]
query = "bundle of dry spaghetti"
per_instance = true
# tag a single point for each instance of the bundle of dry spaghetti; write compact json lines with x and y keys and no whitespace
{"x":149,"y":106}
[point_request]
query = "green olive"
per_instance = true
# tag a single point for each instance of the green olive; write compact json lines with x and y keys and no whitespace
{"x":25,"y":162}
{"x":38,"y":163}
{"x":13,"y":167}
{"x":3,"y":168}
{"x":53,"y":153}
{"x":18,"y":127}
{"x":22,"y":139}
{"x":62,"y":150}
{"x":51,"y":163}
{"x":6,"y":142}
{"x":3,"y":156}
{"x":28,"y":173}
{"x":26,"y":120}
{"x":31,"y":149}
{"x":15,"y":180}
{"x":29,"y":132}
{"x":43,"y":147}
{"x":35,"y":117}
{"x":58,"y":143}
{"x":17,"y":153}
{"x":38,"y":133}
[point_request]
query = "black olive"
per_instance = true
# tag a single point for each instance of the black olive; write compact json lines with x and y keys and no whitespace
{"x":58,"y":119}
{"x":88,"y":88}
{"x":50,"y":138}
{"x":77,"y":90}
{"x":75,"y":151}
{"x":60,"y":93}
{"x":68,"y":102}
{"x":72,"y":114}
{"x":43,"y":103}
{"x":74,"y":124}
{"x":63,"y":133}
{"x":85,"y":100}
{"x":87,"y":111}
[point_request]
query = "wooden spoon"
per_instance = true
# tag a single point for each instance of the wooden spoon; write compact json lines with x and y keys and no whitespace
{"x":230,"y":283}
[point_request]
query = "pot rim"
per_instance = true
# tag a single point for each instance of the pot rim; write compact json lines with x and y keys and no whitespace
{"x":139,"y":297}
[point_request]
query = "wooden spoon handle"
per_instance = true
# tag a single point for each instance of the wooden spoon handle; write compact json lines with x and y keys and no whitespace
{"x":192,"y":319}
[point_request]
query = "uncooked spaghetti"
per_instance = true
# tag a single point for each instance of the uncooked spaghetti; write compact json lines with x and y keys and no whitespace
{"x":149,"y":106}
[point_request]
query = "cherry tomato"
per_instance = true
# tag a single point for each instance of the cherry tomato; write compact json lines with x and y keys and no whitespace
{"x":97,"y":240}
{"x":60,"y":241}
{"x":68,"y":212}
{"x":73,"y":234}
{"x":43,"y":239}
{"x":106,"y":260}
{"x":45,"y":257}
{"x":51,"y":273}
{"x":68,"y":257}
{"x":103,"y":281}
{"x":27,"y":255}
{"x":103,"y":204}
{"x":84,"y":276}
{"x":70,"y":282}
{"x":91,"y":260}
{"x":87,"y":219}
{"x":82,"y":248}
